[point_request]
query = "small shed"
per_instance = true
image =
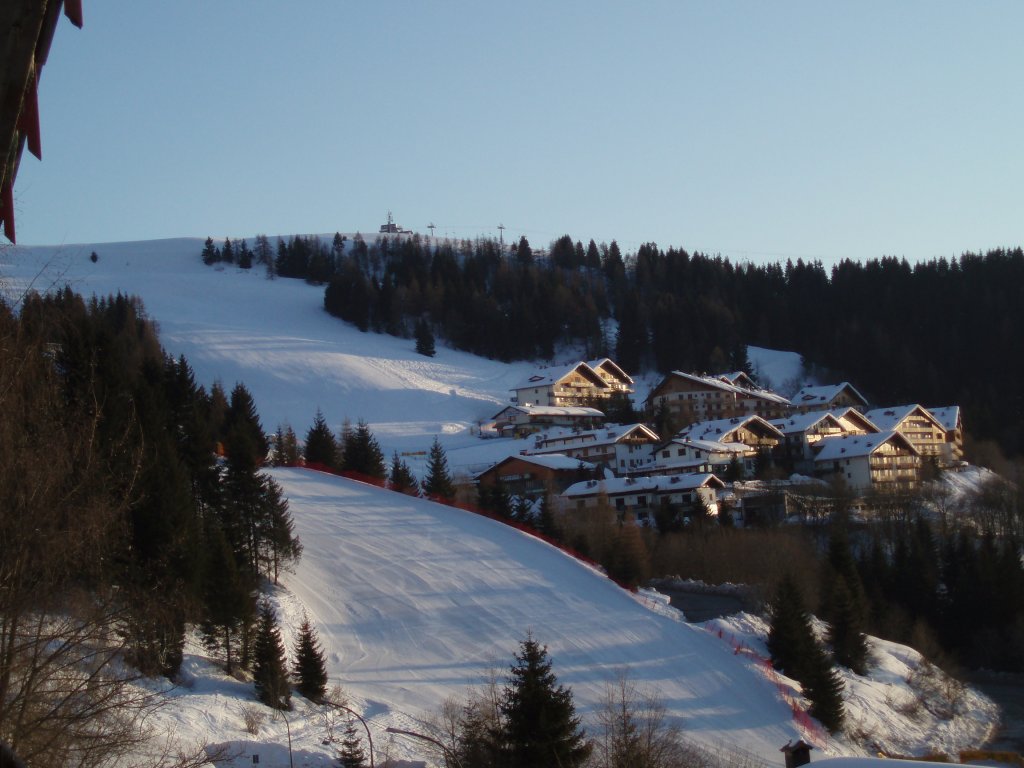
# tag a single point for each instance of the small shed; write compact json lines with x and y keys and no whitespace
{"x":797,"y":754}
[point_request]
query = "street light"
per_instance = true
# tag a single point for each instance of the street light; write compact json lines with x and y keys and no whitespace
{"x":355,"y":714}
{"x":288,"y":728}
{"x":448,"y":754}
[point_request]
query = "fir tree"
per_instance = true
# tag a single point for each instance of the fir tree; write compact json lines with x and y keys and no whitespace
{"x":845,"y":633}
{"x":227,"y":252}
{"x":824,"y":688}
{"x":244,"y":255}
{"x":438,"y":483}
{"x":400,"y":477}
{"x":270,"y":672}
{"x":424,"y":338}
{"x":540,"y":724}
{"x":227,"y":601}
{"x":351,"y":754}
{"x":789,"y":633}
{"x":361,"y":453}
{"x":310,"y":669}
{"x":210,"y":253}
{"x":321,"y":449}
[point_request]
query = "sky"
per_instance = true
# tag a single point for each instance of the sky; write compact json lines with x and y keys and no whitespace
{"x":760,"y":131}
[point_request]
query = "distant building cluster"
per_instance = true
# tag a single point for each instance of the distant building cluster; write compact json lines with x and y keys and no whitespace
{"x":723,"y":431}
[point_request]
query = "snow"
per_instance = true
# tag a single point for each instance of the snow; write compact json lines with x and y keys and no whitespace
{"x":415,"y":601}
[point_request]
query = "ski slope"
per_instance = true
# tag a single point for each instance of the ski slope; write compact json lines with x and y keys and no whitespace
{"x":415,"y":600}
{"x":235,"y":325}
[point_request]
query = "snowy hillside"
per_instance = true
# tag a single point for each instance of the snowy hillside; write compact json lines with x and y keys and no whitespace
{"x":414,"y":600}
{"x":235,"y":325}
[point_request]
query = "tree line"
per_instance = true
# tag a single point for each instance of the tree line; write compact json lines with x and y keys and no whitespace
{"x":134,"y":507}
{"x":928,"y":332}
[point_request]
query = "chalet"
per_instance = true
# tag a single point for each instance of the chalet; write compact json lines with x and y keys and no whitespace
{"x":917,"y":424}
{"x":616,"y":378}
{"x":683,"y":456}
{"x":639,"y":497}
{"x":828,"y":397}
{"x":949,"y":417}
{"x":803,"y":432}
{"x":690,"y":398}
{"x":622,"y":449}
{"x":571,"y":385}
{"x":520,"y":420}
{"x":854,"y":422}
{"x":753,"y":431}
{"x":532,"y":477}
{"x":879,"y":461}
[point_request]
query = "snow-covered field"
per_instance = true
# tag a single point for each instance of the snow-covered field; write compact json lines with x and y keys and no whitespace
{"x":414,"y":601}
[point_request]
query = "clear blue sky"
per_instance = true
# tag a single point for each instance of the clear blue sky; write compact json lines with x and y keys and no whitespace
{"x":752,"y":129}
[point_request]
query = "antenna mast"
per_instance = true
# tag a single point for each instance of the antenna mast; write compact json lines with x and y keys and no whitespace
{"x":430,"y":226}
{"x":501,"y":236}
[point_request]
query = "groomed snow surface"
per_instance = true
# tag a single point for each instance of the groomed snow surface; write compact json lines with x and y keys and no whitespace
{"x":415,"y":601}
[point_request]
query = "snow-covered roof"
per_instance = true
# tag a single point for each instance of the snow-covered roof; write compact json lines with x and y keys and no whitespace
{"x":720,"y":382}
{"x":612,"y":367}
{"x":825,"y":394}
{"x":619,"y":485}
{"x":948,"y":416}
{"x":710,"y":446}
{"x":548,"y":376}
{"x":592,"y":437}
{"x":555,"y":461}
{"x":703,"y":430}
{"x":892,"y":417}
{"x":853,"y":446}
{"x":801,"y":422}
{"x":575,"y":411}
{"x":852,"y":414}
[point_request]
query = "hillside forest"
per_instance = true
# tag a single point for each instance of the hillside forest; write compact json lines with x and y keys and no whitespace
{"x":940,"y":332}
{"x":133,"y":508}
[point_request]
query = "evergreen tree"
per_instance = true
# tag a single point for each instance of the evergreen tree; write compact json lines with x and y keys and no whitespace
{"x":270,"y":672}
{"x":546,"y":523}
{"x":796,"y":651}
{"x":321,"y":449}
{"x":824,"y":689}
{"x":789,"y":632}
{"x":845,"y":634}
{"x":438,"y":482}
{"x":541,"y":727}
{"x":210,"y":253}
{"x":424,"y":338}
{"x":243,"y":434}
{"x":228,"y":604}
{"x":310,"y":669}
{"x":279,"y":545}
{"x":361,"y":453}
{"x":351,"y":754}
{"x":244,"y":255}
{"x":227,"y":251}
{"x":400,"y":477}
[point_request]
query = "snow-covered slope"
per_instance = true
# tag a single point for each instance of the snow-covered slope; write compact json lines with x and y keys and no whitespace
{"x":413,"y":600}
{"x":235,"y":325}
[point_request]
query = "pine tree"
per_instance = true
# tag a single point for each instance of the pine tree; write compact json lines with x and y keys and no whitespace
{"x":310,"y":669}
{"x":227,"y":601}
{"x":796,"y":651}
{"x":845,"y":633}
{"x":823,"y":688}
{"x":270,"y":672}
{"x":361,"y":453}
{"x":321,"y":450}
{"x":278,"y":544}
{"x":789,"y":633}
{"x":210,"y":253}
{"x":351,"y":754}
{"x":541,"y":726}
{"x":244,"y":255}
{"x":227,"y":253}
{"x":400,"y":477}
{"x":424,"y":338}
{"x":438,"y":483}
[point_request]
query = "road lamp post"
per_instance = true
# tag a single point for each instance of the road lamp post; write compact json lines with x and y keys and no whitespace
{"x":448,"y":754}
{"x":359,"y":717}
